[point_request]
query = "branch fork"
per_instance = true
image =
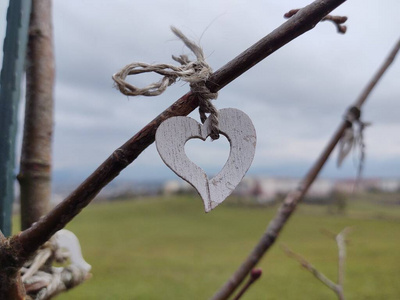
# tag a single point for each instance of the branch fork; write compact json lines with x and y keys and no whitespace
{"x":338,"y":21}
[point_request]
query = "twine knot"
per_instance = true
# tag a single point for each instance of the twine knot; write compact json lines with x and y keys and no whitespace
{"x":353,"y":137}
{"x":196,"y":73}
{"x":42,"y":280}
{"x":353,"y":115}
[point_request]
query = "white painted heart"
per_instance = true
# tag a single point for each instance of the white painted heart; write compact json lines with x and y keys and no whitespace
{"x":172,"y":135}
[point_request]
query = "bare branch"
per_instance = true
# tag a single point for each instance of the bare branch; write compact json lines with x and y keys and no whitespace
{"x":378,"y":75}
{"x":335,"y":287}
{"x":308,"y":266}
{"x":337,"y":20}
{"x":341,"y":242}
{"x":293,"y":198}
{"x":255,"y":274}
{"x":31,"y":239}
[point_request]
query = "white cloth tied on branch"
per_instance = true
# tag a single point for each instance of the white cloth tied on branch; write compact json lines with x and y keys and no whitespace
{"x":196,"y":73}
{"x":353,"y":137}
{"x":42,"y":280}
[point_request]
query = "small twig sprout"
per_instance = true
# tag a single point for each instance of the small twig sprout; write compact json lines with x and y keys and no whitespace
{"x":337,"y":20}
{"x":255,"y":274}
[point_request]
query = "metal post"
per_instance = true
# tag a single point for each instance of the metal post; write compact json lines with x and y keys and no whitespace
{"x":14,"y":48}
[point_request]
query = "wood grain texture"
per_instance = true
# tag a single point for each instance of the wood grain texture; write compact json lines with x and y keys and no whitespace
{"x":236,"y":126}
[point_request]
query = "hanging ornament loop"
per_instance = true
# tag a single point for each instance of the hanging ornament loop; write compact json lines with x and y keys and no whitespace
{"x":206,"y":107}
{"x":196,"y":73}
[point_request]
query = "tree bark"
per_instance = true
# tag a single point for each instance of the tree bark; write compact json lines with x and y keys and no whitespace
{"x":35,"y":169}
{"x":11,"y":286}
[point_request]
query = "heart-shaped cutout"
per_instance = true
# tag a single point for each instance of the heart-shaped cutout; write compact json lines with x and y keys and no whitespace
{"x":235,"y":125}
{"x":209,"y":155}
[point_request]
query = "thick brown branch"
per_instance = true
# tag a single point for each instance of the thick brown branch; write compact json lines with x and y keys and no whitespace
{"x":292,"y":199}
{"x":33,"y":237}
{"x":11,"y":286}
{"x":41,"y":231}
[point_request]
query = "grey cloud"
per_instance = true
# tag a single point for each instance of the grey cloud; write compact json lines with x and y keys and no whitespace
{"x":296,"y":97}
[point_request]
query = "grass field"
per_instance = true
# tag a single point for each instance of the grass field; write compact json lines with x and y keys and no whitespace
{"x":168,"y":248}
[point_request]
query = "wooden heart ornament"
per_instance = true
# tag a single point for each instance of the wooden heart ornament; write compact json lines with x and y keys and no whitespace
{"x":235,"y":125}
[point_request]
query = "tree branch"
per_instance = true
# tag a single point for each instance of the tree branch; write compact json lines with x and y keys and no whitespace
{"x":35,"y":166}
{"x":30,"y":239}
{"x":11,"y":286}
{"x":309,"y":267}
{"x":378,"y":75}
{"x":338,"y":287}
{"x":341,"y":242}
{"x":292,"y":199}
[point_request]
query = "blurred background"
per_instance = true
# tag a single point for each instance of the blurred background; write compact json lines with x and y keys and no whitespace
{"x":295,"y":98}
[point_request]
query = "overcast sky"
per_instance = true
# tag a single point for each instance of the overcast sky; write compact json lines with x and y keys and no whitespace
{"x":296,"y":97}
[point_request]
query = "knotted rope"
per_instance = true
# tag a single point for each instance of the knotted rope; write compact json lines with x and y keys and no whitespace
{"x":196,"y":73}
{"x":42,"y":280}
{"x":353,"y":137}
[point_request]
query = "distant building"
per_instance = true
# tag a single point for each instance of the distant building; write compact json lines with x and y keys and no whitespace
{"x":171,"y":187}
{"x":389,"y":185}
{"x":321,"y":188}
{"x":268,"y":189}
{"x":348,"y":186}
{"x":176,"y":186}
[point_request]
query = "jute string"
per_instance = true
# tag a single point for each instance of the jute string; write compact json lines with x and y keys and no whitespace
{"x":196,"y":73}
{"x":42,"y":280}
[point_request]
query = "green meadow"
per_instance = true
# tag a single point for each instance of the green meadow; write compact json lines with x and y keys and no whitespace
{"x":168,"y":248}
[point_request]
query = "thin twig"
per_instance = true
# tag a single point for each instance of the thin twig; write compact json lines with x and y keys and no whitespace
{"x":389,"y":60}
{"x":308,"y":266}
{"x":333,"y":236}
{"x":341,"y":243}
{"x":338,"y":287}
{"x":31,"y":239}
{"x":336,"y":20}
{"x":255,"y":274}
{"x":292,"y":199}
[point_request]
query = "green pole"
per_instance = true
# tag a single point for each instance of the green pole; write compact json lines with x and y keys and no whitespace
{"x":14,"y":49}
